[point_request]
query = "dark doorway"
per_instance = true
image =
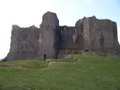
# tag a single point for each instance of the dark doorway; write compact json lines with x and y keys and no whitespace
{"x":102,"y":43}
{"x":86,"y":50}
{"x":45,"y":56}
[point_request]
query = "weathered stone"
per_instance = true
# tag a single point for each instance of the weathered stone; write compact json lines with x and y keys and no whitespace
{"x":79,"y":29}
{"x":47,"y":37}
{"x":99,"y":36}
{"x":24,"y":43}
{"x":54,"y":41}
{"x":68,"y":36}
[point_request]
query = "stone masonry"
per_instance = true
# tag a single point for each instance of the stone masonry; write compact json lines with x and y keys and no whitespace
{"x":54,"y":41}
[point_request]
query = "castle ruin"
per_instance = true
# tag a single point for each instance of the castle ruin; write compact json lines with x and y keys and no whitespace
{"x":55,"y":41}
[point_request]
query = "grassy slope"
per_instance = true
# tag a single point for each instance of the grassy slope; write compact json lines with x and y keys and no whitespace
{"x":82,"y":72}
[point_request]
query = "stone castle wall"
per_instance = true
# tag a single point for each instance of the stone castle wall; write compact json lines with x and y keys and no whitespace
{"x":52,"y":40}
{"x":68,"y":37}
{"x":24,"y":43}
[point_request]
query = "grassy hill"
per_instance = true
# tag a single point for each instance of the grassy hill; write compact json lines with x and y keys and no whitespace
{"x":80,"y":72}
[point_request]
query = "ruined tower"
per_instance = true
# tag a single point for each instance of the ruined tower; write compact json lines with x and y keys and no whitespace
{"x":47,"y":35}
{"x":99,"y":36}
{"x":24,"y":43}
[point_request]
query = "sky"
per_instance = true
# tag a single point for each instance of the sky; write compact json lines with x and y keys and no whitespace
{"x":29,"y":12}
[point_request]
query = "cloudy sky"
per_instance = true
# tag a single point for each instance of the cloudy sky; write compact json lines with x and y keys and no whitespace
{"x":29,"y":12}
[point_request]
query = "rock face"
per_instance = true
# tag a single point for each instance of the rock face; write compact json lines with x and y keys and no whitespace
{"x":54,"y":41}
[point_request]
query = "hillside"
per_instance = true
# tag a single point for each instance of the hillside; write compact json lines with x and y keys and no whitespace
{"x":80,"y":72}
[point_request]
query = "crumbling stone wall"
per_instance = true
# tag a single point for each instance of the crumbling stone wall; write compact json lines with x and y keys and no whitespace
{"x":24,"y":43}
{"x":68,"y":36}
{"x":100,"y":36}
{"x":47,"y":37}
{"x":54,"y":41}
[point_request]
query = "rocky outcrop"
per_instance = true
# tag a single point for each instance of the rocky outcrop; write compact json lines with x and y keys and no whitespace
{"x":54,"y":41}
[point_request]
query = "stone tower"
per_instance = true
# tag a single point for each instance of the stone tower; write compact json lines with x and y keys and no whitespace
{"x":97,"y":35}
{"x":47,"y":35}
{"x":24,"y":43}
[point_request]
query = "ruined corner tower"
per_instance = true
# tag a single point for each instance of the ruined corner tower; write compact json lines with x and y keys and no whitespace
{"x":98,"y":35}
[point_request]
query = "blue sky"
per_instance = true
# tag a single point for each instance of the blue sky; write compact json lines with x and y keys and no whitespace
{"x":29,"y":12}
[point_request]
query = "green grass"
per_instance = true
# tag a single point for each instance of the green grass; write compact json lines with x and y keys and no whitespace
{"x":80,"y":72}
